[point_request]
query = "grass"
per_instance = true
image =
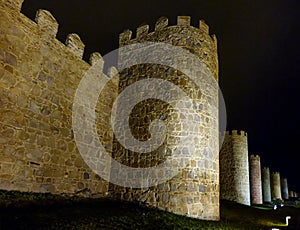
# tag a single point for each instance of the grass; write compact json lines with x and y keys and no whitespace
{"x":46,"y":211}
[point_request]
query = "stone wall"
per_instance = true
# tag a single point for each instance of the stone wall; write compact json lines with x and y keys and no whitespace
{"x":194,"y":191}
{"x":266,"y":185}
{"x":284,"y":189}
{"x":255,"y":180}
{"x":276,"y":186}
{"x":234,"y":168}
{"x":39,"y":76}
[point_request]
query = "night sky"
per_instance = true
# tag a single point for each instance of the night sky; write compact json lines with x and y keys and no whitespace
{"x":259,"y":55}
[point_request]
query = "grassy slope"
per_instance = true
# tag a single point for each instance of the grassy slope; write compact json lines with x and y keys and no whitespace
{"x":45,"y":211}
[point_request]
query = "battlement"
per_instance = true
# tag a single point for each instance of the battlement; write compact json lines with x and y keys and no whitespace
{"x":255,"y":157}
{"x":48,"y":26}
{"x":46,"y":22}
{"x":266,"y":168}
{"x":143,"y":31}
{"x":13,"y":4}
{"x":236,"y":133}
{"x":276,"y":173}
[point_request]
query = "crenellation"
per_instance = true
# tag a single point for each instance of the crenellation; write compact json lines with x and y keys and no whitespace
{"x":237,"y":133}
{"x":184,"y":21}
{"x":142,"y":32}
{"x":13,"y":4}
{"x":125,"y":37}
{"x":76,"y":46}
{"x":255,"y":157}
{"x":112,"y":72}
{"x":46,"y":22}
{"x":95,"y":58}
{"x":161,"y":23}
{"x":203,"y":26}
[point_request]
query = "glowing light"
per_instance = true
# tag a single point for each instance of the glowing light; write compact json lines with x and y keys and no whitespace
{"x":287,"y":220}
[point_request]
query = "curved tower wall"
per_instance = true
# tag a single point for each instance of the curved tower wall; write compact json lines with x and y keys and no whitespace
{"x":276,"y":186}
{"x":255,"y":180}
{"x":266,"y":185}
{"x":195,"y":190}
{"x":234,"y":168}
{"x":284,"y":189}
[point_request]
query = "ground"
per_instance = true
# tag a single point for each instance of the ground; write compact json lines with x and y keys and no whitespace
{"x":46,"y":211}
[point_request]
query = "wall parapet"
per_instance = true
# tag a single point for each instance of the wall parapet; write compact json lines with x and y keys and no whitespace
{"x":143,"y":31}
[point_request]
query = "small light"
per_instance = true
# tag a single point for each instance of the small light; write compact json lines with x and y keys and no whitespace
{"x":275,"y":207}
{"x":287,"y":220}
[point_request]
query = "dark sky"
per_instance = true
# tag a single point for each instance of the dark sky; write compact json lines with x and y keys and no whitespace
{"x":259,"y":49}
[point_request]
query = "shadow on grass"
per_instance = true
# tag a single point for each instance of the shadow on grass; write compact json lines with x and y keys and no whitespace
{"x":46,"y":211}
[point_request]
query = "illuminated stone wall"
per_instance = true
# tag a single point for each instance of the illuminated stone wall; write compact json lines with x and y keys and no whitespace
{"x":195,"y":190}
{"x":39,"y":76}
{"x":266,"y":185}
{"x":234,"y":168}
{"x":284,"y":189}
{"x":276,"y":186}
{"x":255,"y":180}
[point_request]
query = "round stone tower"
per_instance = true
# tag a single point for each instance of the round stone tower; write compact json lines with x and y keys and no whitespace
{"x":234,"y":168}
{"x":276,"y":186}
{"x":284,"y":189}
{"x":194,"y":191}
{"x":255,"y":180}
{"x":266,"y":185}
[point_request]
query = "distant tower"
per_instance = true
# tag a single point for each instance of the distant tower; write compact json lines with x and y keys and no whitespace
{"x":234,"y":168}
{"x":266,"y":185}
{"x":255,"y":180}
{"x":284,"y":189}
{"x":291,"y":194}
{"x":275,"y":186}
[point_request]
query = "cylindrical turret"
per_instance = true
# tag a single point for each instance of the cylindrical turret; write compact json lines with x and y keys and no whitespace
{"x":194,"y":191}
{"x":234,"y":168}
{"x":291,"y":194}
{"x":284,"y":189}
{"x":276,"y":186}
{"x":266,"y":185}
{"x":255,"y":180}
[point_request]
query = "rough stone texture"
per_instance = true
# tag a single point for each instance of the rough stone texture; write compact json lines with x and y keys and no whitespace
{"x":234,"y":168}
{"x":38,"y":79}
{"x":194,"y":191}
{"x":284,"y":189}
{"x":276,"y":186}
{"x":255,"y":180}
{"x":266,"y":185}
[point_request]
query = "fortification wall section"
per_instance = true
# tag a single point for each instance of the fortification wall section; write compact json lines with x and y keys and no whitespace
{"x":284,"y":189}
{"x":255,"y":180}
{"x":234,"y":168}
{"x":276,"y":186}
{"x":39,"y":76}
{"x":195,"y":190}
{"x":266,"y":185}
